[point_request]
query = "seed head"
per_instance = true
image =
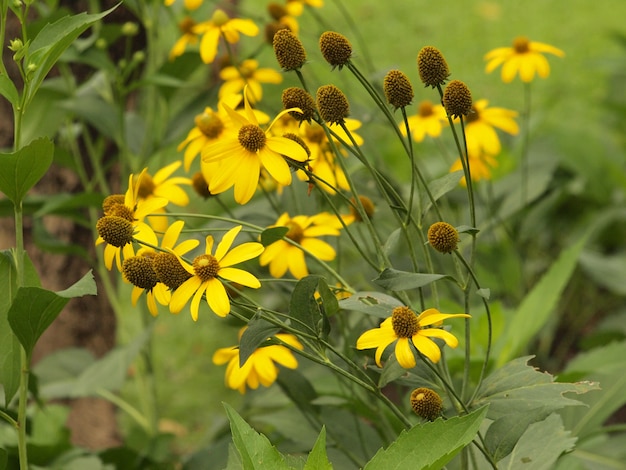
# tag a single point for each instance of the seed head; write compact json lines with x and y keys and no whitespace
{"x":332,"y":104}
{"x":368,"y":207}
{"x":110,"y":201}
{"x":335,"y":48}
{"x":138,"y":271}
{"x":168,"y":270}
{"x":271,"y":29}
{"x":432,"y":66}
{"x":295,"y":232}
{"x":426,"y":403}
{"x":115,"y":230}
{"x":294,"y":97}
{"x":457,"y":99}
{"x":443,"y":237}
{"x":252,"y":137}
{"x":288,"y":49}
{"x":200,"y":185}
{"x":398,"y":89}
{"x":404,"y":322}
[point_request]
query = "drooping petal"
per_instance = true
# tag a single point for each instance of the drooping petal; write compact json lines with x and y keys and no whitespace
{"x":404,"y":354}
{"x":248,"y":179}
{"x":181,"y":296}
{"x":297,"y":264}
{"x":319,"y":248}
{"x":217,"y":298}
{"x":287,"y":147}
{"x":195,"y":302}
{"x":240,"y":277}
{"x":448,"y":337}
{"x":427,"y":347}
{"x":223,"y":355}
{"x":208,"y":45}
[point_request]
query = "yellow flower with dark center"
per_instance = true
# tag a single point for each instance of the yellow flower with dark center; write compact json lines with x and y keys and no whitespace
{"x":188,"y":38}
{"x":303,"y":230}
{"x":480,"y":126}
{"x":245,"y":150}
{"x":221,"y":25}
{"x":407,"y":329}
{"x":443,"y":237}
{"x":248,"y":74}
{"x":208,"y":270}
{"x":429,"y":120}
{"x":525,"y":58}
{"x":426,"y":403}
{"x":260,"y":368}
{"x":133,"y":210}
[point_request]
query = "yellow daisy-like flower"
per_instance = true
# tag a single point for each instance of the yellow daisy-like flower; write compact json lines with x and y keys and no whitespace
{"x":407,"y":329}
{"x":208,"y":270}
{"x":303,"y":230}
{"x":160,"y":292}
{"x":429,"y":120}
{"x":133,"y":211}
{"x":524,"y":57}
{"x":163,"y":185}
{"x":480,"y":127}
{"x":480,"y":164}
{"x":247,"y":73}
{"x":245,"y":149}
{"x":188,"y":38}
{"x":189,"y":4}
{"x":296,"y":7}
{"x":221,"y":24}
{"x":260,"y":368}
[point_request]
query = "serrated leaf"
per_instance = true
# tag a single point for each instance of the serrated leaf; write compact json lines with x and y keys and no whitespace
{"x":8,"y":90}
{"x":395,"y":280}
{"x":257,"y":332}
{"x":318,"y":460}
{"x":273,"y":234}
{"x":51,"y":41}
{"x":537,"y":306}
{"x":429,"y":445}
{"x":540,"y":446}
{"x":34,"y":309}
{"x":255,"y":450}
{"x":440,"y":187}
{"x":505,"y":432}
{"x":371,"y":303}
{"x":21,"y":170}
{"x":519,"y":388}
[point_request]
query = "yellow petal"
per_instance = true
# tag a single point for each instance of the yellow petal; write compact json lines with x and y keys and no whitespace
{"x":181,"y":296}
{"x":448,"y":337}
{"x":217,"y":298}
{"x":241,"y":253}
{"x":240,"y":277}
{"x":427,"y":347}
{"x":223,"y":355}
{"x":404,"y":354}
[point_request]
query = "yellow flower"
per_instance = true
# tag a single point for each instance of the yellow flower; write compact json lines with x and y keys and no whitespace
{"x":260,"y":367}
{"x":245,"y":150}
{"x":162,"y":186}
{"x":295,"y":7}
{"x":480,"y":165}
{"x":221,"y":24}
{"x":160,"y":291}
{"x":188,"y":37}
{"x":525,"y":57}
{"x":247,"y":73}
{"x":407,"y":329}
{"x":479,"y":128}
{"x":208,"y":270}
{"x":133,"y":211}
{"x":303,"y":230}
{"x":429,"y":120}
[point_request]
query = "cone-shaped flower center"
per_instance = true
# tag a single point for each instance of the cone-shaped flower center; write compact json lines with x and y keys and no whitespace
{"x":252,"y":137}
{"x":110,"y":201}
{"x":138,"y":271}
{"x":114,"y":230}
{"x":404,"y":322}
{"x":169,"y":270}
{"x":425,"y":109}
{"x":146,"y":186}
{"x":123,"y":211}
{"x":295,"y":232}
{"x":209,"y":124}
{"x":206,"y":267}
{"x":426,"y":403}
{"x":521,"y":45}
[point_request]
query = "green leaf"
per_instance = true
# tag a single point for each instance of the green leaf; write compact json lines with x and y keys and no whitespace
{"x":51,"y":41}
{"x":430,"y":445}
{"x":395,"y":280}
{"x":8,"y":90}
{"x":255,"y":449}
{"x":258,"y":331}
{"x":21,"y":170}
{"x":9,"y":345}
{"x":440,"y":187}
{"x":519,"y":388}
{"x":540,"y":446}
{"x":318,"y":460}
{"x":34,"y":309}
{"x":371,"y":303}
{"x":306,"y":313}
{"x":271,"y":235}
{"x":392,"y":241}
{"x":536,"y":308}
{"x":607,"y":271}
{"x":504,"y":433}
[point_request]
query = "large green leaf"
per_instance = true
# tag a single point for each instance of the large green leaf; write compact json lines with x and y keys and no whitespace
{"x":306,"y":313}
{"x":536,"y":308}
{"x":21,"y":170}
{"x":392,"y":279}
{"x":440,"y":187}
{"x":318,"y":460}
{"x":9,"y":345}
{"x":371,"y":303}
{"x":540,"y":446}
{"x":8,"y":90}
{"x":255,"y":450}
{"x":430,"y":445}
{"x":51,"y":41}
{"x":34,"y":309}
{"x":258,"y":331}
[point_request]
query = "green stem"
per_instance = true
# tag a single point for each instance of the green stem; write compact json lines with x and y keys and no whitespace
{"x":126,"y":407}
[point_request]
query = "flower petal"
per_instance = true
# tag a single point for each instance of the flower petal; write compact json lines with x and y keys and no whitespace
{"x":217,"y":298}
{"x":240,"y":277}
{"x":404,"y":354}
{"x":241,"y":253}
{"x":427,"y":347}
